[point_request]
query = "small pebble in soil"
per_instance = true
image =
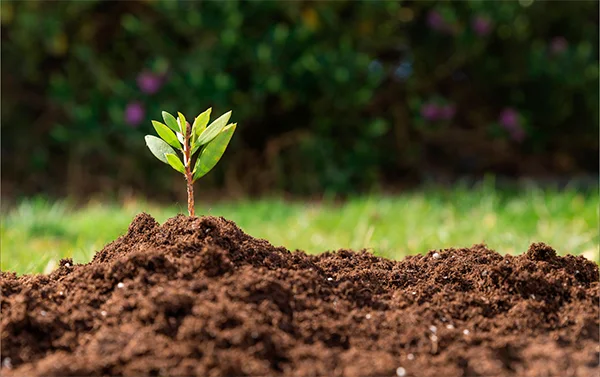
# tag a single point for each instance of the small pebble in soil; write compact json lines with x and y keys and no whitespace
{"x":436,"y":256}
{"x":368,"y":316}
{"x":60,"y":293}
{"x":120,"y":285}
{"x":450,"y":327}
{"x":414,"y":293}
{"x":434,"y":338}
{"x":43,"y":313}
{"x":7,"y":363}
{"x":400,"y":372}
{"x":532,"y":296}
{"x":466,"y":332}
{"x":329,"y":279}
{"x":67,"y":264}
{"x":484,"y":273}
{"x":103,"y":313}
{"x":445,"y":277}
{"x":410,"y":356}
{"x":433,"y":329}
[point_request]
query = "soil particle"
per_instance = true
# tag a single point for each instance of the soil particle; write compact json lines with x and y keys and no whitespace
{"x":197,"y":296}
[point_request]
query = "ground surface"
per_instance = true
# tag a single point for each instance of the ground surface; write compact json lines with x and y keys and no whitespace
{"x":36,"y":234}
{"x":197,"y":296}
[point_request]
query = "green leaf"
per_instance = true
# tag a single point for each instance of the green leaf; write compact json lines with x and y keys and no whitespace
{"x":200,"y":124}
{"x":158,"y":147}
{"x":175,"y":162}
{"x":213,"y":151}
{"x":166,"y":134}
{"x":182,"y":123}
{"x":195,"y":147}
{"x":214,"y":129}
{"x":170,"y":121}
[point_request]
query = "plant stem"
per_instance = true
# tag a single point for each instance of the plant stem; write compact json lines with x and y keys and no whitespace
{"x":187,"y":161}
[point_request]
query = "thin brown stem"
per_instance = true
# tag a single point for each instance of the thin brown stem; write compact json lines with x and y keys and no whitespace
{"x":187,"y":162}
{"x":190,"y":192}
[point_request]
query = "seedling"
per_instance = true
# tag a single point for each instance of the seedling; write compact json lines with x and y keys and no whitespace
{"x":177,"y":134}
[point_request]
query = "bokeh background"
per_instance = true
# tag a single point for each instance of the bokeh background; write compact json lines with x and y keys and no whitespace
{"x":332,"y":99}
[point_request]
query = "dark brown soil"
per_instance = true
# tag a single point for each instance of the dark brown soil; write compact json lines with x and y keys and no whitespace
{"x":197,"y":296}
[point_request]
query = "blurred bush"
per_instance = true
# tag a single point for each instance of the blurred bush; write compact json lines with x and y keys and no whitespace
{"x":337,"y":96}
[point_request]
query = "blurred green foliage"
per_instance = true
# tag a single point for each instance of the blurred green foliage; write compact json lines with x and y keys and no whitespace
{"x":329,"y":95}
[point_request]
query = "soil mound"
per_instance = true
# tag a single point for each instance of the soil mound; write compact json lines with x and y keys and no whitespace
{"x":197,"y":296}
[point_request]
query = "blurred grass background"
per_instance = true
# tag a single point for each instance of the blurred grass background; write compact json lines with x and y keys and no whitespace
{"x":38,"y":232}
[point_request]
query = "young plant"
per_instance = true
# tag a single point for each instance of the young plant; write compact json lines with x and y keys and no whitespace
{"x":177,"y":134}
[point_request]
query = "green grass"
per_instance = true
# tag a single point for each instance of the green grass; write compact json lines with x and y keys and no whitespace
{"x":37,"y":233}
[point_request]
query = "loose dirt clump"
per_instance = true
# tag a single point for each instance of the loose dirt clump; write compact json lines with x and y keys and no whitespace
{"x":197,"y":296}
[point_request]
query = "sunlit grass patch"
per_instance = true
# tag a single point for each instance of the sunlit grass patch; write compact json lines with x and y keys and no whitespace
{"x":37,"y":233}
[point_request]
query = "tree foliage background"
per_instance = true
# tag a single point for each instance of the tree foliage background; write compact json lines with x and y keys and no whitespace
{"x":329,"y":96}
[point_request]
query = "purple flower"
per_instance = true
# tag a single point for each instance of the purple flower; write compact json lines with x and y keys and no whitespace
{"x":558,"y":45}
{"x":481,"y":25}
{"x":134,"y":113}
{"x":447,"y":112}
{"x":430,"y":111}
{"x":509,"y":120}
{"x":435,"y":20}
{"x":149,"y":82}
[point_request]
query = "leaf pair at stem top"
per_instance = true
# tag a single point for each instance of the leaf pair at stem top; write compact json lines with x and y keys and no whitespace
{"x":177,"y":133}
